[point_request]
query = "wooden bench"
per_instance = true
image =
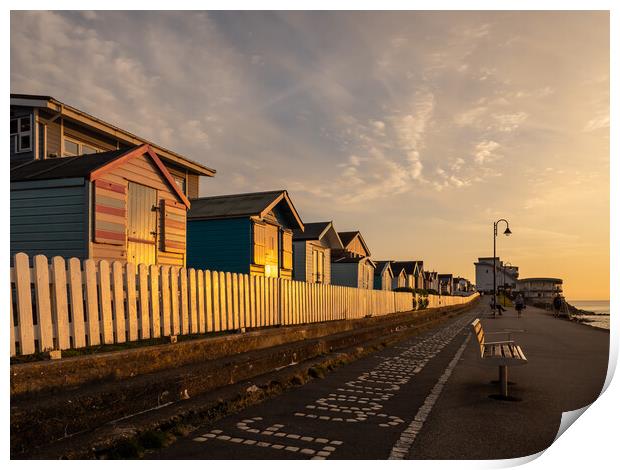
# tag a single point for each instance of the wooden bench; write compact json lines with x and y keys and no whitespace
{"x":499,"y":353}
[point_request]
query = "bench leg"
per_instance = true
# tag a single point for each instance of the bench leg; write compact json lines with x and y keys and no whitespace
{"x":503,"y":380}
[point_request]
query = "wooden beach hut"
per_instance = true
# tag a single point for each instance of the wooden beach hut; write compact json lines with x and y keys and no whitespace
{"x":243,"y":233}
{"x":116,"y":205}
{"x":383,"y":275}
{"x":312,"y":249}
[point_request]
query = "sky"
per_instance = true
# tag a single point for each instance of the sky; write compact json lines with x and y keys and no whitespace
{"x":417,"y":128}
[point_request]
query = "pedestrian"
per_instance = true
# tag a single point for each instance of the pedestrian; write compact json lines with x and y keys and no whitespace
{"x":557,"y":305}
{"x":519,"y":304}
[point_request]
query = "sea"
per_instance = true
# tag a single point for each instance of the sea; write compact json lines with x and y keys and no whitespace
{"x":599,"y":307}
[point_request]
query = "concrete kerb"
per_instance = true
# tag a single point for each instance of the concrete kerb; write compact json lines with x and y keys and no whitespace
{"x":201,"y":382}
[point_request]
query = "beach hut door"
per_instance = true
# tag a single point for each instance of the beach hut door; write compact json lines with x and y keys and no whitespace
{"x":141,"y":224}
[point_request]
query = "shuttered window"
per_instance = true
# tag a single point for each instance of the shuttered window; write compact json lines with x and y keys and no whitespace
{"x":259,"y":243}
{"x":287,"y":250}
{"x":110,"y":210}
{"x":173,"y":225}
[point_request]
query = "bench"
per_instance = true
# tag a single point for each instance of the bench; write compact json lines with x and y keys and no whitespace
{"x":499,"y":353}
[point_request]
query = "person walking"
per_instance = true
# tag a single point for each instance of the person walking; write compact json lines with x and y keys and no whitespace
{"x":519,"y":305}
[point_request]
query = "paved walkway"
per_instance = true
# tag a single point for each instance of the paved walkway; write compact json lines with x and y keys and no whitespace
{"x":427,"y":397}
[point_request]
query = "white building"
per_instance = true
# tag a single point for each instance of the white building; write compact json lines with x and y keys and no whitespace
{"x":539,"y":289}
{"x":505,"y":276}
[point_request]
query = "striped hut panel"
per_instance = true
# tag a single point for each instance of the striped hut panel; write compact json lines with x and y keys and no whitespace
{"x":174,"y":226}
{"x":110,"y":212}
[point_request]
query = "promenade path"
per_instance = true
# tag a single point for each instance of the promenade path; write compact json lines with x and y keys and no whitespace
{"x":426,"y":397}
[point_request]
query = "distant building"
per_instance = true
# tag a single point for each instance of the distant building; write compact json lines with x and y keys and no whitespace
{"x":539,"y":289}
{"x":505,"y":276}
{"x":445,"y":284}
{"x":431,"y":280}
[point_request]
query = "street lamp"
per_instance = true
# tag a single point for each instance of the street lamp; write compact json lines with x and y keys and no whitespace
{"x":506,"y":232}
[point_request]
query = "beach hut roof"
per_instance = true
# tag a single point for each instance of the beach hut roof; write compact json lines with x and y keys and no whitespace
{"x":244,"y":205}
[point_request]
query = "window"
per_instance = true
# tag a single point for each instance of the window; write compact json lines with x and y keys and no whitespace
{"x":21,"y":134}
{"x":180,"y":181}
{"x":73,"y":147}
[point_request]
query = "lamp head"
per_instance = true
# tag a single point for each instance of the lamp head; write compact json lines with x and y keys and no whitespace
{"x":507,"y":231}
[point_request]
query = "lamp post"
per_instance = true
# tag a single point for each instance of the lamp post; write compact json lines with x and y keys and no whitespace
{"x":506,"y":232}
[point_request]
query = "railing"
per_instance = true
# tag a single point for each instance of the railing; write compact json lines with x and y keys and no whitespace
{"x":74,"y":304}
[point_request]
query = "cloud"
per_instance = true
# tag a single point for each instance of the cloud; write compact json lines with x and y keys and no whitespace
{"x":599,"y":122}
{"x":484,"y":152}
{"x":510,"y":121}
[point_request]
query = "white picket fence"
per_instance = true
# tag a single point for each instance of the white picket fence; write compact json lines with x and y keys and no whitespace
{"x":74,"y":304}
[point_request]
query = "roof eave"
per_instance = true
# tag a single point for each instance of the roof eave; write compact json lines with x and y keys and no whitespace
{"x":74,"y":113}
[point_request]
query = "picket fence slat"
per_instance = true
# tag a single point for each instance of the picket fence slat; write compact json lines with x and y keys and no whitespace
{"x":184,"y":302}
{"x":84,"y":304}
{"x":77,"y":303}
{"x":132,"y":309}
{"x":175,"y":320}
{"x":61,"y":308}
{"x":164,"y":279}
{"x":118,"y":296}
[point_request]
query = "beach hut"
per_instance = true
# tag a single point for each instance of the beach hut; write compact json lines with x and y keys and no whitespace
{"x":117,"y":205}
{"x":400,"y":276}
{"x":312,"y":249}
{"x":248,"y":233}
{"x":383,"y":275}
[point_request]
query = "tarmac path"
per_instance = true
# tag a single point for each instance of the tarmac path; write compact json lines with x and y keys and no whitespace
{"x":426,"y":397}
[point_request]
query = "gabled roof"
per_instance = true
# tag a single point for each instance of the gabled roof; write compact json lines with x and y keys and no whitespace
{"x":243,"y":205}
{"x":67,"y":111}
{"x":318,"y":230}
{"x":91,"y":167}
{"x":348,"y":237}
{"x":397,"y":271}
{"x":408,"y":266}
{"x":380,"y":266}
